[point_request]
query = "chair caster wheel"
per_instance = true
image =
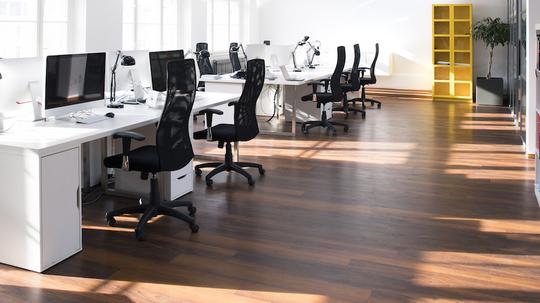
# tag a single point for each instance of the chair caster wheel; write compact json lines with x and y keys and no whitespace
{"x":251,"y":182}
{"x":346,"y":129}
{"x":194,"y":228}
{"x":209,"y":182}
{"x":139,"y":235}
{"x":198,"y":172}
{"x":305,"y":131}
{"x":111,"y":221}
{"x":262,"y":171}
{"x":372,"y":103}
{"x":192,"y":211}
{"x":379,"y":106}
{"x":364,"y":115}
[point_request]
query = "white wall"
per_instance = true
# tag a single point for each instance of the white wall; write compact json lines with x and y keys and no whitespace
{"x":103,"y":25}
{"x":533,"y":18}
{"x":401,"y":27}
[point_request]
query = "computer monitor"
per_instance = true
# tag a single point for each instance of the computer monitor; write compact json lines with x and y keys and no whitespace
{"x":74,"y":83}
{"x":18,"y":74}
{"x":256,"y":51}
{"x":158,"y":67}
{"x":127,"y":77}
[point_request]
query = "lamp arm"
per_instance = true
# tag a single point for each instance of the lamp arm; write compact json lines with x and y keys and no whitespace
{"x":294,"y":56}
{"x":244,"y":52}
{"x":113,"y":77}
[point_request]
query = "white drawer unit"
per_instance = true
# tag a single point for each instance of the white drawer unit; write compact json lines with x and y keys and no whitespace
{"x":41,"y":211}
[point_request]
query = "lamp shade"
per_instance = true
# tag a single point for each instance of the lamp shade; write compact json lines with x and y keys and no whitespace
{"x":128,"y":61}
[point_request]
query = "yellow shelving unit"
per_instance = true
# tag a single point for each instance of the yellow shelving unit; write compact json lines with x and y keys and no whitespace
{"x":452,"y":52}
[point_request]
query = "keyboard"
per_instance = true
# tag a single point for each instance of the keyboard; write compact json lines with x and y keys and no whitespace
{"x":90,"y":119}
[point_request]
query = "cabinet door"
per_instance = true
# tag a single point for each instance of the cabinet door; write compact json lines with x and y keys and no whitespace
{"x":60,"y":209}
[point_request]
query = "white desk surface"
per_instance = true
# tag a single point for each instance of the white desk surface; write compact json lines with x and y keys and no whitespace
{"x":309,"y":75}
{"x":46,"y":137}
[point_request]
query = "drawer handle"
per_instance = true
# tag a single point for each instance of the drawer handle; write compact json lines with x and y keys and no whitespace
{"x":78,"y":197}
{"x":180,"y":178}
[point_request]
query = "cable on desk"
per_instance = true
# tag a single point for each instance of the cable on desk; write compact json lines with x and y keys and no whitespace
{"x":275,"y":103}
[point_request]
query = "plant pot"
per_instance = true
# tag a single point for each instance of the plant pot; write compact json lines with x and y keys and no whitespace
{"x":489,"y":91}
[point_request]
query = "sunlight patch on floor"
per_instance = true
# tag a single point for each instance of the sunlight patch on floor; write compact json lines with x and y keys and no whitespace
{"x":500,"y":225}
{"x":166,"y":291}
{"x":341,"y":151}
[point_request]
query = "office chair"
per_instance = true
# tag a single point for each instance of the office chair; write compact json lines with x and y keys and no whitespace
{"x":352,"y":85}
{"x":245,"y":126}
{"x":235,"y":59}
{"x":336,"y":95}
{"x":203,"y":59}
{"x":364,"y":81}
{"x":172,"y":151}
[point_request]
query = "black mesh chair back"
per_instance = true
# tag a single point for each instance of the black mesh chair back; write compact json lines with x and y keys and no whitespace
{"x":203,"y":59}
{"x":201,"y":46}
{"x":355,"y":72}
{"x":245,"y":116}
{"x":235,"y":59}
{"x":374,"y":64}
{"x":335,"y":82}
{"x":173,"y":140}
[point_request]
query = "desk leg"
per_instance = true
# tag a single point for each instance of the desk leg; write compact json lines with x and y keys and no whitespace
{"x":237,"y":151}
{"x":104,"y":170}
{"x":293,"y":118}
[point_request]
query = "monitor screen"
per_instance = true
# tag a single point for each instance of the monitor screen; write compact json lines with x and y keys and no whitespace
{"x":158,"y":67}
{"x":74,"y":79}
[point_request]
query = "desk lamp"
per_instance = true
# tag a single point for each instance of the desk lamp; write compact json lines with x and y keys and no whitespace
{"x":315,"y":49}
{"x":241,"y":74}
{"x":300,"y":43}
{"x":126,"y":61}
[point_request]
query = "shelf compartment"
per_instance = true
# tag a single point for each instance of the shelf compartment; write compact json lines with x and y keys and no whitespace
{"x":441,"y":12}
{"x":441,"y":89}
{"x":442,"y":58}
{"x":462,"y":73}
{"x":462,"y":90}
{"x":442,"y":43}
{"x":442,"y":28}
{"x":462,"y":28}
{"x":462,"y":58}
{"x":442,"y":73}
{"x":462,"y":43}
{"x":462,"y":12}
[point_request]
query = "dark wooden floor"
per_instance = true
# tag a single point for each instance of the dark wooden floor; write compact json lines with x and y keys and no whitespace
{"x":422,"y":202}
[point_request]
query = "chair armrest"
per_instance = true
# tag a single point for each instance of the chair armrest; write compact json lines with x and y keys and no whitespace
{"x":126,"y":137}
{"x":322,"y":82}
{"x":209,"y":115}
{"x":363,"y":70}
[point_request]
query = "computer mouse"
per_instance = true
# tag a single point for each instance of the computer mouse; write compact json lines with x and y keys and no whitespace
{"x":109,"y":115}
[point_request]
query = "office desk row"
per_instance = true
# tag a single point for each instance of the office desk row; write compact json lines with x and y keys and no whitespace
{"x":292,"y":91}
{"x":40,"y":181}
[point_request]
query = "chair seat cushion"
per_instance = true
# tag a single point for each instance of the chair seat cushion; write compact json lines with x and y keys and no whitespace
{"x":321,"y":97}
{"x":220,"y":132}
{"x":142,"y":159}
{"x":347,"y":87}
{"x":367,"y":81}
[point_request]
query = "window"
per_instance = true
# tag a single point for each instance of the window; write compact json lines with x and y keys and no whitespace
{"x":223,"y":24}
{"x":150,"y":24}
{"x":30,"y":28}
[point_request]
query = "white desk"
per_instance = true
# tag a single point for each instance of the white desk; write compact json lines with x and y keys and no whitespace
{"x":40,"y":181}
{"x":292,"y":92}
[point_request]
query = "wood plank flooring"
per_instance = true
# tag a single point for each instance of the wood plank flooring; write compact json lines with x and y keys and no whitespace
{"x":421,"y":202}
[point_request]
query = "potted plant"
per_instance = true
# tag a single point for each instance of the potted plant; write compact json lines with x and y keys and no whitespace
{"x":493,"y":32}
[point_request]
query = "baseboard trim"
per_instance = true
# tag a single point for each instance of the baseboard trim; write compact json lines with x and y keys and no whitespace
{"x":408,"y":94}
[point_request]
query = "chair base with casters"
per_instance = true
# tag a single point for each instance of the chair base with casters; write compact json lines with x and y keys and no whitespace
{"x":363,"y":100}
{"x":228,"y":166}
{"x":324,"y":123}
{"x":347,"y":109}
{"x":155,"y":208}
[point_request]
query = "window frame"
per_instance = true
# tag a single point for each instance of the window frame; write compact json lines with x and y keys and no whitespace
{"x":39,"y":27}
{"x":210,"y":25}
{"x":162,"y":25}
